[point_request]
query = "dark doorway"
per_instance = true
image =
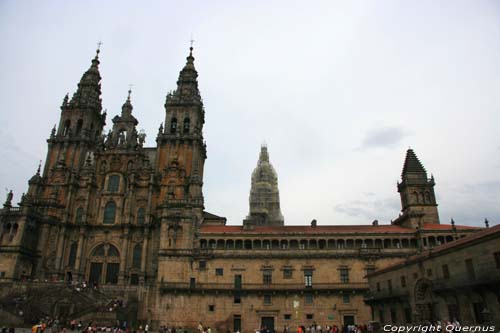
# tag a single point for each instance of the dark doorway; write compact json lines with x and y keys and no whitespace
{"x":267,"y":324}
{"x":95,"y":273}
{"x":112,"y":270}
{"x":237,"y":323}
{"x":348,"y":320}
{"x":478,"y":312}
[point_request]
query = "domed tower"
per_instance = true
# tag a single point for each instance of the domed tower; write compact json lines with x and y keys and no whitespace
{"x":264,"y":193}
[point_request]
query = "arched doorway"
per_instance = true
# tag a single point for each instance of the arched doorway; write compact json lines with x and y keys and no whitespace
{"x":104,"y":265}
{"x":425,"y":303}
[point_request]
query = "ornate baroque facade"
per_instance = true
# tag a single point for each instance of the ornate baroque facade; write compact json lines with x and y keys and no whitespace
{"x":107,"y":210}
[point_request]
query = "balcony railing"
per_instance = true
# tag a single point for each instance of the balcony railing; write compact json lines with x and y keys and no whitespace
{"x":263,"y":287}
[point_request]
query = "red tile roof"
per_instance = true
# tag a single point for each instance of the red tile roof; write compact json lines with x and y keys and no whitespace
{"x":327,"y":229}
{"x":307,"y":229}
{"x":447,"y":227}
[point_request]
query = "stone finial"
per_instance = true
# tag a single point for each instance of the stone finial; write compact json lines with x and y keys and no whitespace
{"x":314,"y":223}
{"x":486,"y":223}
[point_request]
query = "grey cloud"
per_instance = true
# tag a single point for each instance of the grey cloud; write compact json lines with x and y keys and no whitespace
{"x":383,"y":137}
{"x":382,"y":209}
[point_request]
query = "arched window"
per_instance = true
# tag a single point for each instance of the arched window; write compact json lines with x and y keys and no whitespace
{"x":113,"y":183}
{"x":173,"y":125}
{"x":79,"y":125}
{"x":98,"y":251}
{"x":109,"y":213}
{"x":79,"y":215}
{"x":186,"y":125}
{"x":427,"y":197}
{"x":72,"y":254}
{"x":136,"y":256}
{"x":141,"y":216}
{"x":67,"y":126}
{"x":104,"y":264}
{"x":113,"y":252}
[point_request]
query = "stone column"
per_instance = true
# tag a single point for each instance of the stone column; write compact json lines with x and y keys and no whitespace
{"x":81,"y":241}
{"x":144,"y":254}
{"x":123,"y":257}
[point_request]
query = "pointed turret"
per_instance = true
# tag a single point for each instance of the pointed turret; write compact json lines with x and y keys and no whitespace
{"x":264,"y":193}
{"x":412,"y":165}
{"x":88,"y":94}
{"x":418,"y":199}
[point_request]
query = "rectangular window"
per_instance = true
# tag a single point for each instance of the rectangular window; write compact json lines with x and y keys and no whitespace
{"x":378,"y":286}
{"x":267,"y":277}
{"x":446,"y":272}
{"x":470,"y":269}
{"x":309,"y":298}
{"x":429,"y":272}
{"x":346,"y":299}
{"x":202,"y":265}
{"x":211,"y":308}
{"x":192,"y":282}
{"x":237,"y":281}
{"x":309,"y":316}
{"x":403,"y":281}
{"x":344,"y":275}
{"x":497,"y":258}
{"x":219,"y":271}
{"x":389,"y":285}
{"x":308,"y":278}
{"x":287,"y":316}
{"x":415,"y":275}
{"x":287,"y":273}
{"x":237,"y":298}
{"x":267,"y":299}
{"x":2,"y":274}
{"x":113,"y":183}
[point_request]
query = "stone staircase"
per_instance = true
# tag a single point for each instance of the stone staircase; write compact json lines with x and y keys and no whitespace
{"x":30,"y":302}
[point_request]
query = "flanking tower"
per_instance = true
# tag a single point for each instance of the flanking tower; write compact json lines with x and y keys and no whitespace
{"x":418,"y":200}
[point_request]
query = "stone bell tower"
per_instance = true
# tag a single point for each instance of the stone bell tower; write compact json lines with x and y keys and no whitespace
{"x":418,"y":200}
{"x":181,"y":155}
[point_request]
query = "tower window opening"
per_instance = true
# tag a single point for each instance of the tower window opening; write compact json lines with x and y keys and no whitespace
{"x":173,"y":125}
{"x":79,"y":125}
{"x":67,"y":125}
{"x":186,"y":125}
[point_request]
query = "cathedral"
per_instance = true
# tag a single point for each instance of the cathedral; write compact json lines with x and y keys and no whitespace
{"x":129,"y":222}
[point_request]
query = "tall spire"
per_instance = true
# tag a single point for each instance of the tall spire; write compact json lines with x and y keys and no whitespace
{"x":88,"y":94}
{"x":187,"y":83}
{"x":412,"y":164}
{"x":264,"y":193}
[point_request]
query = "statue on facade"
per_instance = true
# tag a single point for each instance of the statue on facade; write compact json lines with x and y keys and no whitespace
{"x":8,"y":201}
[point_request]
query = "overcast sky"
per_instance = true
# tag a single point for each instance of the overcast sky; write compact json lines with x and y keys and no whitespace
{"x":337,"y":89}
